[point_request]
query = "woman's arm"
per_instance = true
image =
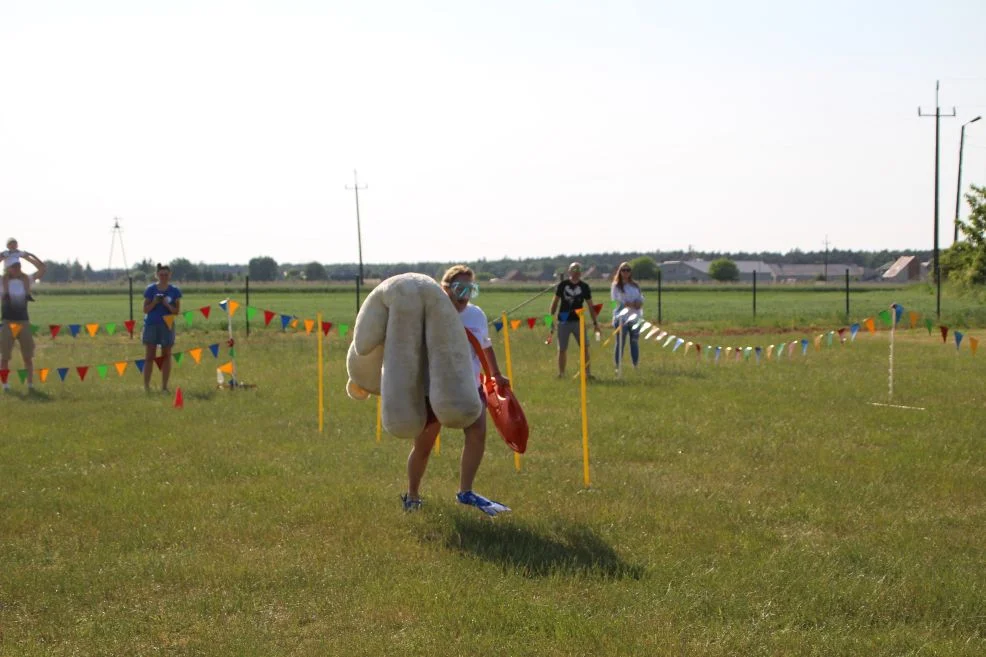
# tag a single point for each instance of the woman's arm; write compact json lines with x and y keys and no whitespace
{"x":501,"y":381}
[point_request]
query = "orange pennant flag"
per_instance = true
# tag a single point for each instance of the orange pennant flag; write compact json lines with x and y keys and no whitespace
{"x":515,"y":324}
{"x":92,"y":328}
{"x":818,"y":340}
{"x":196,"y":354}
{"x":770,"y":352}
{"x":309,"y":325}
{"x":226,"y":367}
{"x":870,"y":325}
{"x":43,"y":373}
{"x":914,"y":318}
{"x":294,"y":323}
{"x":973,"y":344}
{"x":578,"y":311}
{"x":121,"y":367}
{"x":169,"y":320}
{"x":233,"y":305}
{"x":15,"y":329}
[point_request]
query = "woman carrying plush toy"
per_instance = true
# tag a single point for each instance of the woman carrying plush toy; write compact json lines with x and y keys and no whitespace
{"x":460,"y":287}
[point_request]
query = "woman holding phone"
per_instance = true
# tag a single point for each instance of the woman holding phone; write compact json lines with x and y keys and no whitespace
{"x":160,"y":300}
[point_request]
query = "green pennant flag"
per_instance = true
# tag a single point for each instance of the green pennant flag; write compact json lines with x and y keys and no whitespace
{"x":928,"y":324}
{"x":342,"y":329}
{"x":189,"y":315}
{"x":885,"y":316}
{"x":613,"y":304}
{"x":178,"y":357}
{"x":102,"y":370}
{"x":35,"y":329}
{"x":549,"y":320}
{"x":251,"y":312}
{"x":828,"y":338}
{"x":232,"y":352}
{"x":111,"y":328}
{"x":22,"y":374}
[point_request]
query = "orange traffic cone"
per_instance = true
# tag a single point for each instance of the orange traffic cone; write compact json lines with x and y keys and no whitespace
{"x":179,"y":398}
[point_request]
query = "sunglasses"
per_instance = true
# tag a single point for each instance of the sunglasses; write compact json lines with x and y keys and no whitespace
{"x":626,"y":269}
{"x":464,"y":291}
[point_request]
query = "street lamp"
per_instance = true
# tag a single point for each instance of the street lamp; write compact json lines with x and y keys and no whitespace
{"x":958,"y":186}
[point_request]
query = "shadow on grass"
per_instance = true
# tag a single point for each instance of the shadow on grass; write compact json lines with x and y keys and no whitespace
{"x":31,"y":395}
{"x":565,"y":549}
{"x":201,"y":395}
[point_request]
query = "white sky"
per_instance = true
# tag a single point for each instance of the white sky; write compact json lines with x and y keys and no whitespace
{"x":219,"y":131}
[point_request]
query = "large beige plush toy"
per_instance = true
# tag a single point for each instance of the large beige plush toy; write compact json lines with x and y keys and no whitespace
{"x":409,"y":343}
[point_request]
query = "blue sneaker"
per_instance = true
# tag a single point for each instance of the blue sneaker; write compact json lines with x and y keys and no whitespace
{"x":411,"y":504}
{"x":489,"y":507}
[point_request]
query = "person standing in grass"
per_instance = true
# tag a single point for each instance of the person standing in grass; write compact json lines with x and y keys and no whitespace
{"x":13,"y":311}
{"x":459,"y":286}
{"x":627,"y":294}
{"x":570,"y":295}
{"x":160,"y":300}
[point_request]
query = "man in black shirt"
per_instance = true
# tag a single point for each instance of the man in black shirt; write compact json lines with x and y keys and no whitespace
{"x":13,"y":311}
{"x":570,"y":295}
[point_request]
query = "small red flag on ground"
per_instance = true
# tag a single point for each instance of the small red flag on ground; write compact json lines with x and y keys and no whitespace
{"x":179,"y":398}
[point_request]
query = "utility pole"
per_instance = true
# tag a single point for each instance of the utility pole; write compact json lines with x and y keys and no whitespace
{"x":958,"y":185}
{"x":359,"y":234}
{"x":937,"y":115}
{"x":825,"y":275}
{"x":117,"y":234}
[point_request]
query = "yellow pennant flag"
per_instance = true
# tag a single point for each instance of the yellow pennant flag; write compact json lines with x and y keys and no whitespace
{"x":914,"y":318}
{"x":226,"y":367}
{"x":232,"y":307}
{"x":973,"y":344}
{"x":870,"y":326}
{"x":15,"y":329}
{"x":309,"y":325}
{"x":515,"y":324}
{"x":43,"y":373}
{"x":169,"y":320}
{"x":196,"y":354}
{"x":121,"y":367}
{"x":770,"y":352}
{"x":688,"y":345}
{"x":818,"y":341}
{"x":92,"y":328}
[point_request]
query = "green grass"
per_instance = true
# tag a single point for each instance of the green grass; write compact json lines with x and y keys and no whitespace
{"x":734,"y":509}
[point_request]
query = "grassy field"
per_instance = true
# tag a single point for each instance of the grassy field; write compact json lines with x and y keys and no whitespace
{"x":734,"y":509}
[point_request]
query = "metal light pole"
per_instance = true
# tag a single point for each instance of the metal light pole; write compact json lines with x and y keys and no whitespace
{"x":958,"y":185}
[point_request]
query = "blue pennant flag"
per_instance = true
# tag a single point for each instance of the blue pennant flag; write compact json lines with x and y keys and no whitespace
{"x":74,"y":328}
{"x":898,"y":311}
{"x":804,"y":346}
{"x":214,"y":348}
{"x":498,"y":325}
{"x":563,"y":317}
{"x":757,"y":352}
{"x":853,"y":330}
{"x":140,"y":365}
{"x":223,"y":304}
{"x":958,"y":338}
{"x":285,"y":320}
{"x":718,"y":351}
{"x":62,"y":371}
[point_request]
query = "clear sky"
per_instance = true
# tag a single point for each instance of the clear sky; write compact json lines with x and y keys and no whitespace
{"x":219,"y":131}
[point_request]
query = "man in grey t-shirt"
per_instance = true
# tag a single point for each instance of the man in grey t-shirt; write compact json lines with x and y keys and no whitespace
{"x":13,"y":311}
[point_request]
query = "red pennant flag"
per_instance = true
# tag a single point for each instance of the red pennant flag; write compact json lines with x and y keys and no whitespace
{"x":130,"y":326}
{"x":268,"y":315}
{"x":179,"y":398}
{"x":4,"y":374}
{"x":531,"y":321}
{"x":944,"y":332}
{"x":54,"y":328}
{"x":698,"y":350}
{"x":842,"y":333}
{"x":82,"y":371}
{"x":160,"y":361}
{"x":326,"y":327}
{"x":598,"y":308}
{"x":205,"y":311}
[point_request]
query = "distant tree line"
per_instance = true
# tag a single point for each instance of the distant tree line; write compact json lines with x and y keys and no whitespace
{"x":265,"y":268}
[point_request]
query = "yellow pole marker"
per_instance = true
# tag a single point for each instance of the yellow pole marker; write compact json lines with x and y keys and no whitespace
{"x":438,"y":443}
{"x":321,"y":405}
{"x":379,"y":417}
{"x":510,"y":369}
{"x":585,"y":410}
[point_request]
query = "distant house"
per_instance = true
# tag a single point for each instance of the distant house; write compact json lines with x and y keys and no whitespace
{"x":514,"y":275}
{"x":904,"y":270}
{"x":682,"y":271}
{"x":815,"y":271}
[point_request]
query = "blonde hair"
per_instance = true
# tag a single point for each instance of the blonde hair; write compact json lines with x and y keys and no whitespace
{"x":618,"y":282}
{"x":454,"y":271}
